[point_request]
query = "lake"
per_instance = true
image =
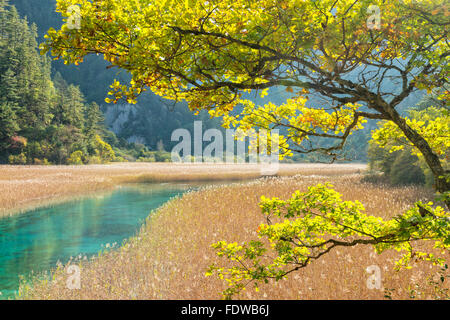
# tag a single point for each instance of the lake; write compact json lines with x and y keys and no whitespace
{"x":38,"y":239}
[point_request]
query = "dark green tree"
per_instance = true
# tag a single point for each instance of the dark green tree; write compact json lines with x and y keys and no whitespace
{"x":406,"y":170}
{"x":94,"y":123}
{"x":69,"y":106}
{"x":8,"y":125}
{"x":25,"y":78}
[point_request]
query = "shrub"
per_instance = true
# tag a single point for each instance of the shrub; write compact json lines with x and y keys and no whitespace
{"x":94,"y":160}
{"x":399,"y":167}
{"x":119,"y":159}
{"x":18,"y":142}
{"x":405,"y":170}
{"x":146,"y":159}
{"x":76,"y":158}
{"x":104,"y":151}
{"x":41,"y":162}
{"x":18,"y":159}
{"x":162,"y":156}
{"x":34,"y":151}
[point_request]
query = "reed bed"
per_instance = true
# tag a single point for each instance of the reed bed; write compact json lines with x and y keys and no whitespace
{"x":168,"y":258}
{"x":27,"y":187}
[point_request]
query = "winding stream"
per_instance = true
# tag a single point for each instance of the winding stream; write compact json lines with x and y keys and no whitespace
{"x":37,"y":240}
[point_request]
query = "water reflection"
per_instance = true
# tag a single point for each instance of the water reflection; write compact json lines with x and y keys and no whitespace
{"x":36,"y":240}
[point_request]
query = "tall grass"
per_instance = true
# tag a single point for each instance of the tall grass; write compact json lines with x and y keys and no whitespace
{"x":26,"y":187}
{"x":168,"y":258}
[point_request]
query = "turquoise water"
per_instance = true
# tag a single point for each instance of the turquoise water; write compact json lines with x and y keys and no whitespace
{"x":37,"y":240}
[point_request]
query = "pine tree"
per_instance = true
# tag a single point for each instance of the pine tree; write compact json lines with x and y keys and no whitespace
{"x":69,"y":106}
{"x":93,"y":125}
{"x":8,"y":125}
{"x":9,"y":90}
{"x":25,"y":74}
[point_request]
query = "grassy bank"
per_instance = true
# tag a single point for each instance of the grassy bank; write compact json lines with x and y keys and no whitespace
{"x":168,"y":259}
{"x":27,"y":187}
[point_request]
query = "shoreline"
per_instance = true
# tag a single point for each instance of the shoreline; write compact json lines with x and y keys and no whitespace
{"x":26,"y":188}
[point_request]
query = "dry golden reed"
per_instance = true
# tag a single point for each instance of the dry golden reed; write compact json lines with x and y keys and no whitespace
{"x":26,"y":187}
{"x":168,"y":258}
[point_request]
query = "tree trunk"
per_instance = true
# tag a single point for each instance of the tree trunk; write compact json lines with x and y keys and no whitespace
{"x":432,"y":160}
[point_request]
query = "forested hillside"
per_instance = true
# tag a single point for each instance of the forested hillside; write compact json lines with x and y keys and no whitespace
{"x":43,"y":118}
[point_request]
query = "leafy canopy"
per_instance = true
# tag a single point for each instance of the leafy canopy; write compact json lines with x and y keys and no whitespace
{"x":211,"y":53}
{"x":432,"y":123}
{"x":204,"y":51}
